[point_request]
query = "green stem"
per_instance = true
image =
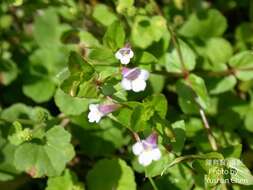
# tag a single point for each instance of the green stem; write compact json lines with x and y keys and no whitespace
{"x":151,"y":180}
{"x":152,"y":183}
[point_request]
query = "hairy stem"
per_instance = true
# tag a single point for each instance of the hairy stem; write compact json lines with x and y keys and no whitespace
{"x":211,"y":138}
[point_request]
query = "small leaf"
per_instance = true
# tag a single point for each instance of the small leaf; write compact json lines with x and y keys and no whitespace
{"x":114,"y":37}
{"x":8,"y":71}
{"x":241,"y":174}
{"x":147,"y":30}
{"x":179,"y":130}
{"x":242,"y":63}
{"x":103,"y":15}
{"x":173,"y":63}
{"x":222,"y":85}
{"x":77,"y":64}
{"x":18,"y":135}
{"x":121,"y":176}
{"x":67,"y":181}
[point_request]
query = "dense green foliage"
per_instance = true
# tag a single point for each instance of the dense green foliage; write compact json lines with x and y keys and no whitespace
{"x":57,"y":58}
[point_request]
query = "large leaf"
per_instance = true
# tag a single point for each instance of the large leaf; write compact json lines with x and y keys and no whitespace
{"x":204,"y":24}
{"x":120,"y":177}
{"x":33,"y":89}
{"x":47,"y":156}
{"x":71,"y":105}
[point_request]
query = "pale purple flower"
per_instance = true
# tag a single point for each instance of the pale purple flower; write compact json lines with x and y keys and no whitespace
{"x":134,"y":79}
{"x":147,"y":150}
{"x":124,"y":54}
{"x":97,"y":111}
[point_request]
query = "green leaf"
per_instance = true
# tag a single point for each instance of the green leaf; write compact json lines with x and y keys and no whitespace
{"x":67,"y":181}
{"x":248,"y":121}
{"x":102,"y":56}
{"x":139,"y":118}
{"x":173,"y":64}
{"x":22,"y":112}
{"x":144,"y":58}
{"x":7,"y":169}
{"x":198,"y":85}
{"x":218,"y":51}
{"x":71,"y":105}
{"x":156,"y":167}
{"x":146,"y":30}
{"x":232,"y":151}
{"x":88,"y":39}
{"x":242,"y":63}
{"x":124,"y":5}
{"x":158,"y":103}
{"x":222,"y":85}
{"x":241,"y":174}
{"x":98,"y":140}
{"x":115,"y":36}
{"x":47,"y":156}
{"x":121,"y":176}
{"x":35,"y":92}
{"x":77,"y":64}
{"x":142,"y":113}
{"x":103,"y":15}
{"x":18,"y":135}
{"x":186,"y":97}
{"x":88,"y":89}
{"x":46,"y":29}
{"x":192,"y":94}
{"x":243,"y":35}
{"x":204,"y":24}
{"x":179,"y":130}
{"x":8,"y":71}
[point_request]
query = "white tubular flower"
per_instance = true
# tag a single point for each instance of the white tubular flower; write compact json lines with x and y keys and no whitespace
{"x":124,"y":54}
{"x":134,"y":79}
{"x":98,"y":111}
{"x":147,"y":150}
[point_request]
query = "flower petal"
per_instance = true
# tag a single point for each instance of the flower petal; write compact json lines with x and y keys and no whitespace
{"x":144,"y":74}
{"x":126,"y":84}
{"x":125,"y":60}
{"x":137,"y":148}
{"x":118,"y":55}
{"x":131,"y":54}
{"x":94,"y":115}
{"x":156,"y":154}
{"x":138,"y":85}
{"x":145,"y":158}
{"x":93,"y":107}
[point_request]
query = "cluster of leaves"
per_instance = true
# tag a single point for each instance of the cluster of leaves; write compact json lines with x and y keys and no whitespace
{"x":57,"y":57}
